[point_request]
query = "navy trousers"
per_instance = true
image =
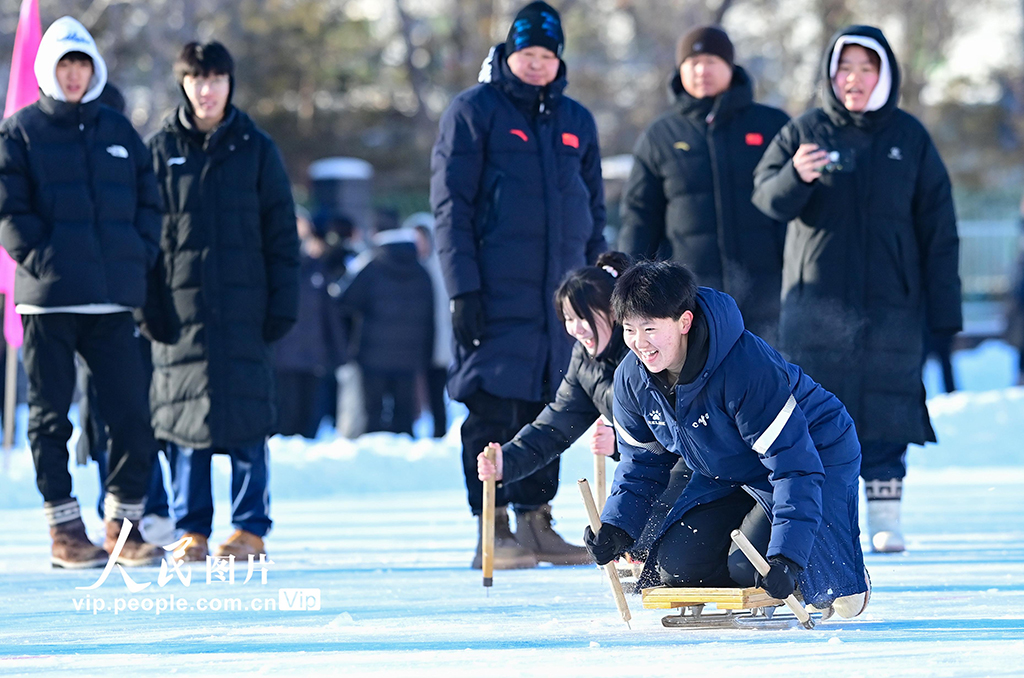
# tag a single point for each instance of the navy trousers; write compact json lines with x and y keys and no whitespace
{"x":191,"y":484}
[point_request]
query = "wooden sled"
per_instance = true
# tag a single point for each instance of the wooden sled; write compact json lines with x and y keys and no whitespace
{"x":747,"y":608}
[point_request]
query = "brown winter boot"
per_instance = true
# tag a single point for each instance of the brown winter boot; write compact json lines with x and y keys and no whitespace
{"x":241,"y":545}
{"x":135,"y":552}
{"x":198,"y":548}
{"x":509,"y":554}
{"x":72,"y":549}
{"x":533,"y":531}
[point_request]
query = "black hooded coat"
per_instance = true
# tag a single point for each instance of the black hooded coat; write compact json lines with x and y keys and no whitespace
{"x":871,"y":252}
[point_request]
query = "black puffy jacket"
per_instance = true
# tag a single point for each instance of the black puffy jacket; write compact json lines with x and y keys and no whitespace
{"x":392,"y":300}
{"x":229,"y":279}
{"x":871,"y":252}
{"x":688,"y":197}
{"x":79,"y":208}
{"x":518,"y":200}
{"x":584,"y":395}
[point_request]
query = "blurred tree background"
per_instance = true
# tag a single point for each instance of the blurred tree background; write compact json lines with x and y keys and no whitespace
{"x":370,"y":78}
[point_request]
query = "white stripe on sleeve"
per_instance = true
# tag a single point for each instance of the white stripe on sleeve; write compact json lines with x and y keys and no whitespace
{"x":771,"y":433}
{"x":654,"y":447}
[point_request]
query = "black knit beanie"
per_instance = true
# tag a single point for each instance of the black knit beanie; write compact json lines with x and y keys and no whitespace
{"x":705,"y":40}
{"x":536,"y":25}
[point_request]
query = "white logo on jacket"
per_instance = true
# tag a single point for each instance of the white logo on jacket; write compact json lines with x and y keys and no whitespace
{"x":895,"y":153}
{"x":171,"y":162}
{"x":702,"y":420}
{"x":655,"y":418}
{"x":117,"y":151}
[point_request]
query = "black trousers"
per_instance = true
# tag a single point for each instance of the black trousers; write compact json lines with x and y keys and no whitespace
{"x":497,"y":420}
{"x":881,"y":460}
{"x":110,"y":349}
{"x":390,"y":400}
{"x":698,"y":550}
{"x":437,"y":377}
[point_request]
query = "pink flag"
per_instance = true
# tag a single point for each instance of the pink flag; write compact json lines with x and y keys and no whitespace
{"x":21,"y":91}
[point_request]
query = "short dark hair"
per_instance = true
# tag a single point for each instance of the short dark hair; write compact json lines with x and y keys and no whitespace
{"x":203,"y":59}
{"x":873,"y":57}
{"x":589,"y":289}
{"x":654,"y":289}
{"x":77,"y":56}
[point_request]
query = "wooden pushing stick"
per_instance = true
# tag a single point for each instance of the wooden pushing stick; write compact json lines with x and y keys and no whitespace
{"x":762,"y":566}
{"x":599,"y":480}
{"x":613,"y":574}
{"x":487,"y":522}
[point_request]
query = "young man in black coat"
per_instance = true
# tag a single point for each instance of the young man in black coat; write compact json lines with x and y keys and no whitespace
{"x":228,"y":288}
{"x":688,"y":195}
{"x":79,"y":210}
{"x":518,"y":200}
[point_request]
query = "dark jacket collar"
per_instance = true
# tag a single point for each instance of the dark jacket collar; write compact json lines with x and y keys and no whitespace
{"x":66,"y":113}
{"x":740,"y":95}
{"x":182,"y":124}
{"x":836,"y":111}
{"x":616,"y":349}
{"x":495,"y":71}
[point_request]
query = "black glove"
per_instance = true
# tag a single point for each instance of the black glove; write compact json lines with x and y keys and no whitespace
{"x":609,"y":543}
{"x":468,"y":319}
{"x":780,"y":582}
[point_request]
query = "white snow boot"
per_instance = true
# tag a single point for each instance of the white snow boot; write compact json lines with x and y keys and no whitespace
{"x":851,"y":606}
{"x":884,"y":515}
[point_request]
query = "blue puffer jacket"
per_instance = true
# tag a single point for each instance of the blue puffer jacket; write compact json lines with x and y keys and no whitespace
{"x":749,"y":420}
{"x":518,"y":201}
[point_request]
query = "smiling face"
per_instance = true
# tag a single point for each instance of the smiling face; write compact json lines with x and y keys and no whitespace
{"x":534,"y":65}
{"x":659,"y":343}
{"x":580,"y":330}
{"x":856,"y":77}
{"x":208,"y":95}
{"x":705,"y":75}
{"x":73,"y":76}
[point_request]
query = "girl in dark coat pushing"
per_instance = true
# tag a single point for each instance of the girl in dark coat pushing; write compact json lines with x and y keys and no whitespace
{"x":871,"y":254}
{"x":585,"y":394}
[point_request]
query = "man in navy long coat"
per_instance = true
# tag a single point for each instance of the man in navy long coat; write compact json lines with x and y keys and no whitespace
{"x":773,"y":453}
{"x":516,"y":191}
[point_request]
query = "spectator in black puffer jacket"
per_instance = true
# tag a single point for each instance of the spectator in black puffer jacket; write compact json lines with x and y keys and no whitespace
{"x":872,"y":254}
{"x":518,"y":201}
{"x":228,"y":289}
{"x":688,"y":194}
{"x":389,"y":294}
{"x":79,"y":212}
{"x":309,"y":354}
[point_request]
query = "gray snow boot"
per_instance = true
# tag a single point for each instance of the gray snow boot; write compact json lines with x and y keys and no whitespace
{"x":509,"y":554}
{"x":533,"y":531}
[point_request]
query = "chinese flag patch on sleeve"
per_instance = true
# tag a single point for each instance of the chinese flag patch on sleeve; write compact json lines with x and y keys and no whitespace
{"x":570,"y":140}
{"x":755,"y":139}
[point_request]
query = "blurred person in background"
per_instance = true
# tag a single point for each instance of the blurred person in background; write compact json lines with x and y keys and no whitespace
{"x":389,"y":294}
{"x":312,"y":350}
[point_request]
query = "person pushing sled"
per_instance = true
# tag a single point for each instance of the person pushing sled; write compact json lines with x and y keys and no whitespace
{"x":773,"y":454}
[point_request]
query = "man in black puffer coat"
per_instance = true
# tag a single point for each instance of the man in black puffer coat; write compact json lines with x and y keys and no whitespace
{"x":688,"y":194}
{"x":79,"y":212}
{"x":390,"y":295}
{"x":872,"y":254}
{"x":518,"y":201}
{"x":228,"y":289}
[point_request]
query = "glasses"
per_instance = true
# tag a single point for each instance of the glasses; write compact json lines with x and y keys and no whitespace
{"x":201,"y":81}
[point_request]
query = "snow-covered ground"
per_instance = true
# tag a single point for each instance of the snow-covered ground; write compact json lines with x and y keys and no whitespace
{"x":379,"y":527}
